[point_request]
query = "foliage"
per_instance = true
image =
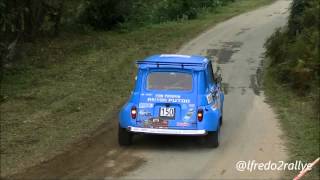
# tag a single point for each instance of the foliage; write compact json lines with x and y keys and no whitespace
{"x":110,"y":13}
{"x":105,"y":13}
{"x":292,"y":81}
{"x":297,"y":11}
{"x":29,"y":17}
{"x":178,"y":9}
{"x":299,"y":119}
{"x":294,"y":51}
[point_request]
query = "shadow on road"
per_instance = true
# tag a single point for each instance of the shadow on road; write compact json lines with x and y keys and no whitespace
{"x":172,"y":143}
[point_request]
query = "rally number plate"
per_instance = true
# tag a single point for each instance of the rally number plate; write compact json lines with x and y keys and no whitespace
{"x":167,"y":112}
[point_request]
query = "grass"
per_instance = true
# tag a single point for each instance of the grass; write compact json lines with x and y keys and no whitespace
{"x":300,"y":120}
{"x":62,"y":89}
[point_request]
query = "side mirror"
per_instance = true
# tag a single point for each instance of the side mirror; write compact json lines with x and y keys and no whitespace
{"x":218,"y":77}
{"x":214,"y":93}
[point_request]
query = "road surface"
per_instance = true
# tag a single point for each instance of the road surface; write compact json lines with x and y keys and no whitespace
{"x":250,"y":129}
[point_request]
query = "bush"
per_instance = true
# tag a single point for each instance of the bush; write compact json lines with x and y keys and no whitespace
{"x":28,"y":18}
{"x":294,"y":51}
{"x":297,"y":10}
{"x":178,"y":9}
{"x":185,"y":9}
{"x":105,"y":14}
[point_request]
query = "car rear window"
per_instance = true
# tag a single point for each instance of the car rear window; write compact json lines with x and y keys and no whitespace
{"x":169,"y":81}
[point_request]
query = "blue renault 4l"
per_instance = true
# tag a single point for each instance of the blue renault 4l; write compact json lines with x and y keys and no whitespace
{"x":174,"y":95}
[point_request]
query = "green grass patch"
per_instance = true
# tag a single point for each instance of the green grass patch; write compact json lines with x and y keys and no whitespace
{"x":299,"y":119}
{"x":62,"y":89}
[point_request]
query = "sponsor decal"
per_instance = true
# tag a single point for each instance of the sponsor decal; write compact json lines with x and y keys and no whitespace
{"x":209,"y":98}
{"x":155,"y":123}
{"x":155,"y":120}
{"x":168,"y":98}
{"x":183,"y":124}
{"x":146,"y":124}
{"x":144,"y":113}
{"x":217,"y":103}
{"x":186,"y":118}
{"x":190,"y":112}
{"x":188,"y":115}
{"x":164,"y":100}
{"x":145,"y":105}
{"x":147,"y":94}
{"x":214,"y":106}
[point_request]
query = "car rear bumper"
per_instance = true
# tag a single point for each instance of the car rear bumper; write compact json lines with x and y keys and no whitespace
{"x":167,"y":131}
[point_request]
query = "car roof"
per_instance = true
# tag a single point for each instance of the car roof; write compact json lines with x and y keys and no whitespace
{"x":174,"y":61}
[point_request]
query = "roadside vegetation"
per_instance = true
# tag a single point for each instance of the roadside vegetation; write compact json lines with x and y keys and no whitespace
{"x":63,"y":74}
{"x":292,"y":81}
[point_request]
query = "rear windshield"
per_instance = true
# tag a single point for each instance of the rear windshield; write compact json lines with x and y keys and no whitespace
{"x":169,"y":81}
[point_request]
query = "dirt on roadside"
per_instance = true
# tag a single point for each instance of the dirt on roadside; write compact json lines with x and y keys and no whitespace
{"x":98,"y":154}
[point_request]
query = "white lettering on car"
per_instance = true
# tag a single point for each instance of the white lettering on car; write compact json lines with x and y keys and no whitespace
{"x":168,"y":99}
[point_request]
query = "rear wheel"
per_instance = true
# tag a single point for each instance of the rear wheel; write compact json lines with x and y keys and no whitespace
{"x":213,"y":138}
{"x":124,"y":137}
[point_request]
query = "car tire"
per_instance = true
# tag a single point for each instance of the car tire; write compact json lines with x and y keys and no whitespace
{"x":124,"y":137}
{"x":212,"y":139}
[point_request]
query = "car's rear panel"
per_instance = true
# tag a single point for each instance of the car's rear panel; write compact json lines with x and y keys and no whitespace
{"x":168,"y":109}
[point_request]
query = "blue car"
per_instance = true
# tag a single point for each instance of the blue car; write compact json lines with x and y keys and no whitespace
{"x":174,"y":95}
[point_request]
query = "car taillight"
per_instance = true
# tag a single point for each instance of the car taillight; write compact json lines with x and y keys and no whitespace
{"x":200,"y":115}
{"x":133,"y":112}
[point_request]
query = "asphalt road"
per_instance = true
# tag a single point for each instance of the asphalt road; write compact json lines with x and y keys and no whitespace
{"x":250,"y":130}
